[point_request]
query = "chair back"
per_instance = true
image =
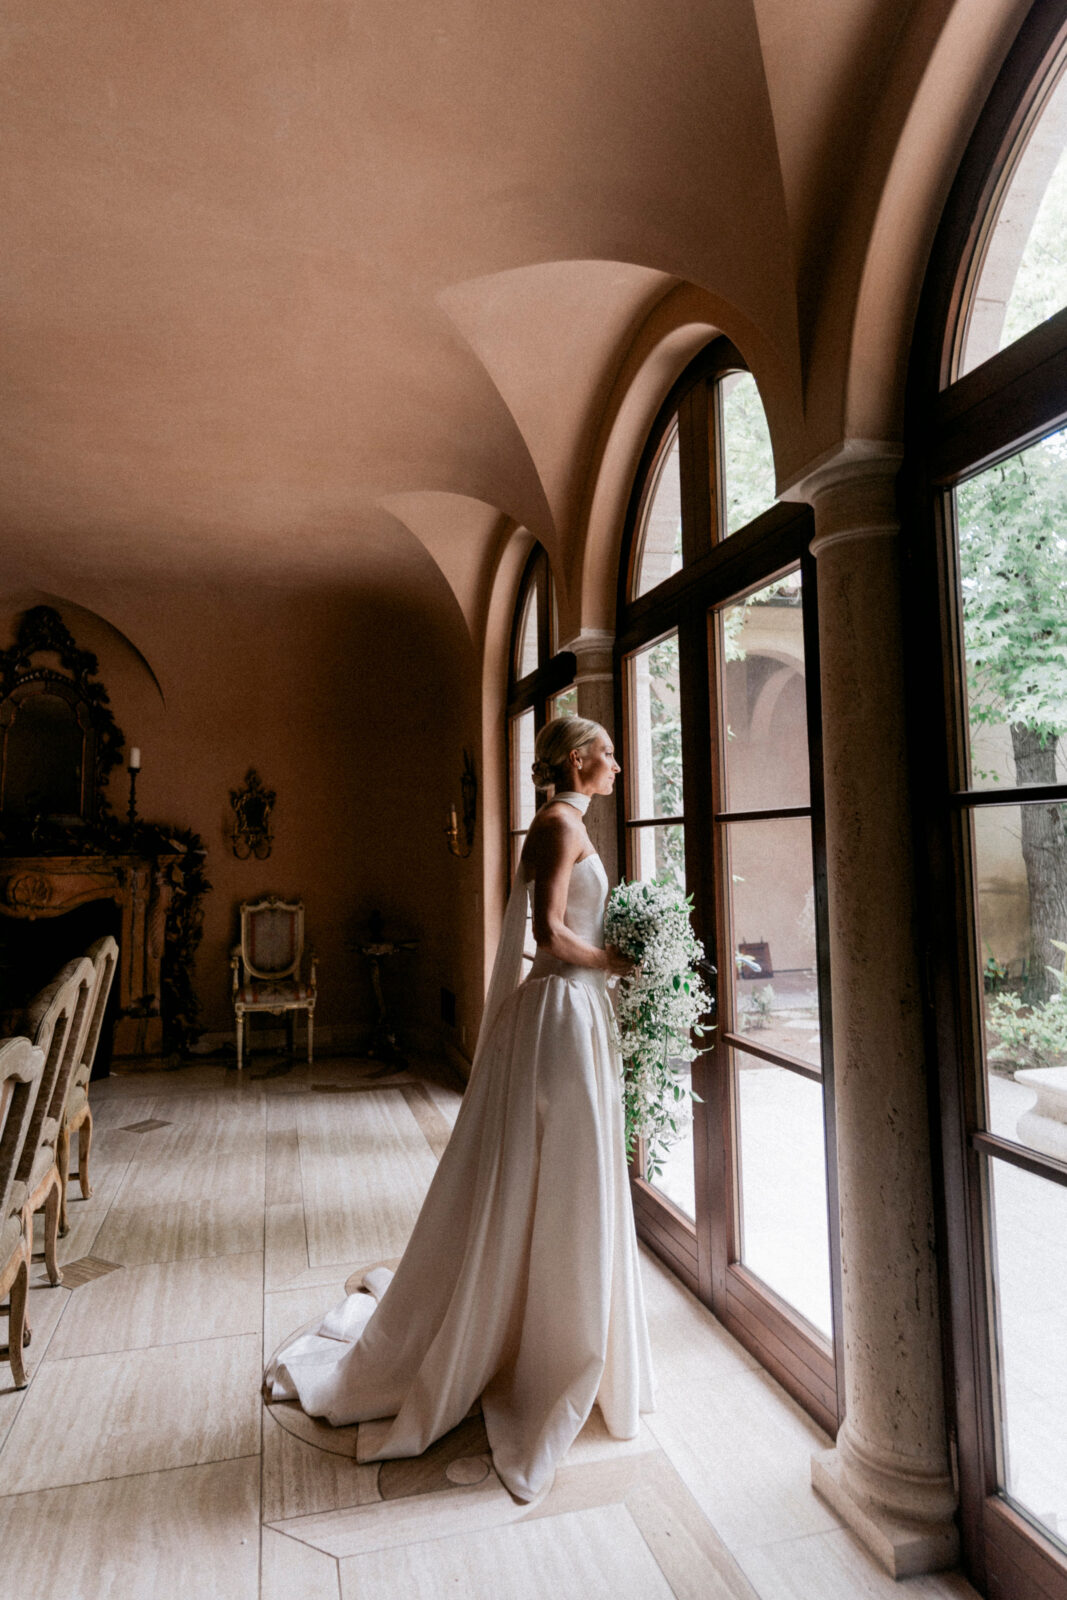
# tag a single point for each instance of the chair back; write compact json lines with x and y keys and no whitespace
{"x":272,"y":936}
{"x":21,"y":1066}
{"x":57,"y":1019}
{"x":104,"y":955}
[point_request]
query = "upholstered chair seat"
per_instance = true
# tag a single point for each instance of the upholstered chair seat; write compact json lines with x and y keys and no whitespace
{"x":268,"y":994}
{"x":76,"y":1099}
{"x":44,"y":1160}
{"x":10,"y":1235}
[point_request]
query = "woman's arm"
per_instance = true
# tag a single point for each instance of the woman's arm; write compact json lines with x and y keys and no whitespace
{"x":555,"y":843}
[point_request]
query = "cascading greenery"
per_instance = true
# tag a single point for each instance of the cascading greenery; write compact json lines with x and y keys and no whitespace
{"x":189,"y":882}
{"x":659,"y":1011}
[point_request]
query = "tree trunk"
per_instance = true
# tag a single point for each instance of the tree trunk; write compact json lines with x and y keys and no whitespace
{"x":1044,"y":842}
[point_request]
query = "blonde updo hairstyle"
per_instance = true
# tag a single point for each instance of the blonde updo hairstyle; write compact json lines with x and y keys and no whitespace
{"x":555,"y":743}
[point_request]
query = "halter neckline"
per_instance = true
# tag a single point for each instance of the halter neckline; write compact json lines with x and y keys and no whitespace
{"x":580,"y":802}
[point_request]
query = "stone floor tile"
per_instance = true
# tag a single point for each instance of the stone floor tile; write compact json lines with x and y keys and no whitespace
{"x":189,"y":1533}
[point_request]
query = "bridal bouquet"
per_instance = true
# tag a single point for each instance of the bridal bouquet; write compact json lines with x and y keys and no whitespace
{"x":657,"y":1011}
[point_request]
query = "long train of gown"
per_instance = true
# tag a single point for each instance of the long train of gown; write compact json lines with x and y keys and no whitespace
{"x":519,"y":1285}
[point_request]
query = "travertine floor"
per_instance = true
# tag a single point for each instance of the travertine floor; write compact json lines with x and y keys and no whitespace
{"x":141,"y":1462}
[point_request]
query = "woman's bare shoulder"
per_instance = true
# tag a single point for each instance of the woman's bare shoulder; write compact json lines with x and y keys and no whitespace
{"x":554,"y":832}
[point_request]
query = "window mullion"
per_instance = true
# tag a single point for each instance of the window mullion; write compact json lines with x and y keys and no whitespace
{"x":695,"y":469}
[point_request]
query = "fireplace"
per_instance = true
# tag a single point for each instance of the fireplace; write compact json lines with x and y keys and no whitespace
{"x":51,"y":909}
{"x":33,"y":951}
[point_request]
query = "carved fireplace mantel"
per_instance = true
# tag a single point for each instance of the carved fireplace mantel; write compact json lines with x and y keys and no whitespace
{"x":49,"y":886}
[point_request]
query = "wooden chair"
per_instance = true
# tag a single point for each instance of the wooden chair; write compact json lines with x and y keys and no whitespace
{"x":56,"y":1022}
{"x":77,"y":1114}
{"x":21,"y":1067}
{"x":266,"y":966}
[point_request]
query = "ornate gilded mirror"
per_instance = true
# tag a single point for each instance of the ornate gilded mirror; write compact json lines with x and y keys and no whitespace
{"x":58,"y":738}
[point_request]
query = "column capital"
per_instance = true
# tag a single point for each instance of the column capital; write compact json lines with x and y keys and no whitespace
{"x":594,"y":648}
{"x":587,"y":639}
{"x":852,"y":490}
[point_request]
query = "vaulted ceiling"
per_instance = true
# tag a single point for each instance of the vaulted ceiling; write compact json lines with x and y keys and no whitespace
{"x":290,"y":284}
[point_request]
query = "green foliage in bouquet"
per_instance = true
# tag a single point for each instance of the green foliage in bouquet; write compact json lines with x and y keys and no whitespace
{"x":658,"y":1012}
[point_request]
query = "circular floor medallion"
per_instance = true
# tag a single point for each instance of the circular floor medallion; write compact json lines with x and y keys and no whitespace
{"x":468,"y":1469}
{"x":291,"y":1416}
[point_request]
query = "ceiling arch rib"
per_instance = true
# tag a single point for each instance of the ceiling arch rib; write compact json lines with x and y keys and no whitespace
{"x":929,"y":94}
{"x":551,"y":337}
{"x":295,"y":261}
{"x":462,"y":535}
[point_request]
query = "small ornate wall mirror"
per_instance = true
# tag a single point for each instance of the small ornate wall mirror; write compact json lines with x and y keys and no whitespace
{"x":252,"y":806}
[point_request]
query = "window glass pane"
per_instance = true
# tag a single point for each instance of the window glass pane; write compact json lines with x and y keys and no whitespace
{"x":522,"y":734}
{"x":748,"y":462}
{"x":1012,"y":522}
{"x":1029,"y":1270}
{"x":564,"y":704}
{"x":526,"y":644}
{"x":772,"y":928}
{"x":765,"y":754}
{"x":655,"y":746}
{"x":659,"y":542}
{"x":782,"y":1168}
{"x":1020,"y":872}
{"x":678,"y":1178}
{"x":658,"y":852}
{"x":1023,"y":279}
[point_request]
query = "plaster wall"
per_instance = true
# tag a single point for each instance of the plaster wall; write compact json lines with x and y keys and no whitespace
{"x":354,"y":707}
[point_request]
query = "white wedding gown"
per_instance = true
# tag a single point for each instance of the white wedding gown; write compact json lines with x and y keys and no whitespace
{"x":520,"y":1284}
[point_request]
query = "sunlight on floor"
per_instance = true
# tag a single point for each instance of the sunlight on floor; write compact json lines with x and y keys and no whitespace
{"x":141,"y":1460}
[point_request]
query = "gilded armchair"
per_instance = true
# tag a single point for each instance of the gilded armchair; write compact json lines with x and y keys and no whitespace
{"x":267,"y":967}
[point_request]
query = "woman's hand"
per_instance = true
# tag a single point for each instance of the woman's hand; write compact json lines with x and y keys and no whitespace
{"x":618,"y":965}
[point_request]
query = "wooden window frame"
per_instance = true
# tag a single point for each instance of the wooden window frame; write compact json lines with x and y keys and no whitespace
{"x":715,"y":570}
{"x":956,"y":428}
{"x":554,"y":671}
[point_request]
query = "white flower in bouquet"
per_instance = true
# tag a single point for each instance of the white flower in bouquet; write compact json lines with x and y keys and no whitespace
{"x":658,"y":1011}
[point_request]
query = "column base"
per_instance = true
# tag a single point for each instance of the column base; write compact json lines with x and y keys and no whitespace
{"x":904,"y":1547}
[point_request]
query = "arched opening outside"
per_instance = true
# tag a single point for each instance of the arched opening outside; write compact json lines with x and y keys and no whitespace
{"x":540,"y":686}
{"x":716,"y":676}
{"x":989,"y":561}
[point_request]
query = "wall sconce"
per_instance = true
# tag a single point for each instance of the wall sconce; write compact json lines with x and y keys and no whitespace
{"x":252,"y":805}
{"x":468,"y":784}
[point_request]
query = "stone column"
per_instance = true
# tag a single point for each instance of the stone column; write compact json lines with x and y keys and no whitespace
{"x":889,"y":1474}
{"x":596,"y":699}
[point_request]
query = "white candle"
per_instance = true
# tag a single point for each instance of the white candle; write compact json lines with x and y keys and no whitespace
{"x":134,"y":762}
{"x":452,"y":817}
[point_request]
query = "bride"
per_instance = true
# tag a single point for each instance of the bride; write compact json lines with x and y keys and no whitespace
{"x":519,"y":1285}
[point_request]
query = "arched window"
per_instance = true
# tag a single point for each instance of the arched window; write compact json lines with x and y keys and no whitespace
{"x":716,"y":665}
{"x":540,"y":685}
{"x":989,"y":470}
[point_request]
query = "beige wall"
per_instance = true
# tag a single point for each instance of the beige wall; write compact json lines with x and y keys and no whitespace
{"x":354,"y":708}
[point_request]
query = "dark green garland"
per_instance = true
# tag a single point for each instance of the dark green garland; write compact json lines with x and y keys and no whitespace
{"x":189,"y":882}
